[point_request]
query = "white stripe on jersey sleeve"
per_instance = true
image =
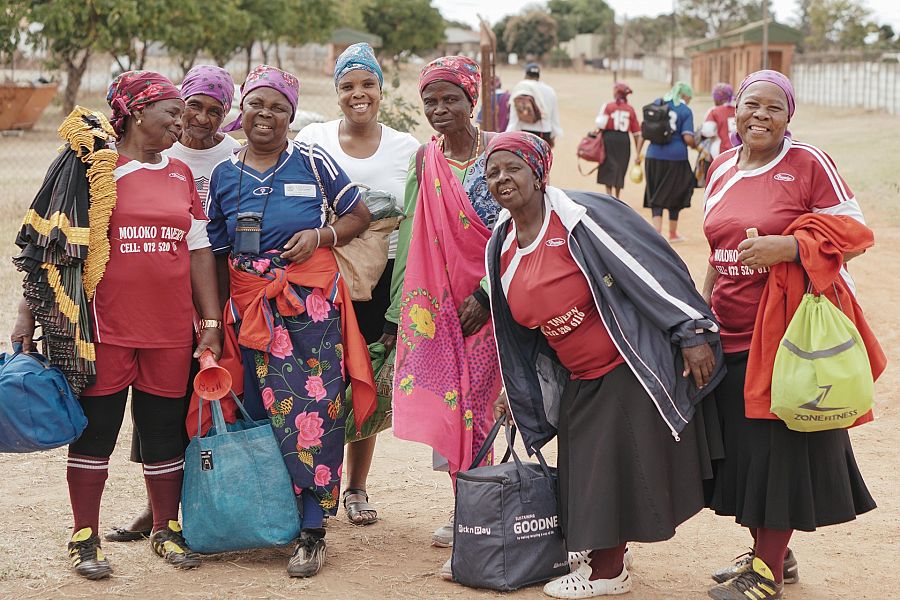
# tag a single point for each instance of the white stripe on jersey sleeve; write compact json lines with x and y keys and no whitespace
{"x":850,"y":208}
{"x":830,"y":170}
{"x":197,"y":237}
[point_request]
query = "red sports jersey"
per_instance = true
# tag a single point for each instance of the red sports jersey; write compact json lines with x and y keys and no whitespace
{"x":144,"y":299}
{"x":800,"y":180}
{"x":545,"y":288}
{"x":723,"y":117}
{"x":621,"y":117}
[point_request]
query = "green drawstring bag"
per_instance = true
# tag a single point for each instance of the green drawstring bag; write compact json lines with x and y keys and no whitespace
{"x":822,"y":378}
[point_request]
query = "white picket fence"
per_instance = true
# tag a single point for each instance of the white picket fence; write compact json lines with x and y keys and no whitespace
{"x":868,"y":85}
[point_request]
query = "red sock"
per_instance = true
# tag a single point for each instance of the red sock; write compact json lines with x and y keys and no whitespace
{"x":771,"y":546}
{"x":86,"y":476}
{"x":164,"y":488}
{"x":607,"y":563}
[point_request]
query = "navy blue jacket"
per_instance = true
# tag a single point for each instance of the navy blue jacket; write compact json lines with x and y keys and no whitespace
{"x":645,"y":297}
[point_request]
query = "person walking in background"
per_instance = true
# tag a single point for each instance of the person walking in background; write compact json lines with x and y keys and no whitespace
{"x":616,"y":121}
{"x":670,"y":179}
{"x":501,"y":108}
{"x":207,"y":92}
{"x":296,"y":332}
{"x":159,"y":268}
{"x":719,"y":123}
{"x":775,"y":480}
{"x":373,"y":154}
{"x":534,"y":107}
{"x":446,"y":377}
{"x":625,"y":397}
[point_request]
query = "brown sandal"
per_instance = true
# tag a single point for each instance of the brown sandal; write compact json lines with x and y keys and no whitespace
{"x":355,"y":510}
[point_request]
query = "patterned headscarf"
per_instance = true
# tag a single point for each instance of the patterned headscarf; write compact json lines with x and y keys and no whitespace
{"x":533,"y":150}
{"x":458,"y":70}
{"x":771,"y":76}
{"x":133,"y":90}
{"x":679,"y":91}
{"x":357,"y":56}
{"x":722,"y":93}
{"x":211,"y":81}
{"x":271,"y":77}
{"x":621,"y":91}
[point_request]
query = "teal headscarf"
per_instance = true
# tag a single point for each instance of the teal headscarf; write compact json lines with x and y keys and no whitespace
{"x":357,"y":56}
{"x":679,"y":90}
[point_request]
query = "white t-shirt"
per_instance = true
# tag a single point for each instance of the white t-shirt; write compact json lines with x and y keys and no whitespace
{"x":384,"y":171}
{"x":545,"y":96}
{"x":202,"y":162}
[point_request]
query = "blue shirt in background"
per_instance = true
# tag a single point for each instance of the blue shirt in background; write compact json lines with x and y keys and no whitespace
{"x":682,"y":121}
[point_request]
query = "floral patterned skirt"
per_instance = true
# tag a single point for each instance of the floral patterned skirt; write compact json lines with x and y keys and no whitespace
{"x":301,"y":385}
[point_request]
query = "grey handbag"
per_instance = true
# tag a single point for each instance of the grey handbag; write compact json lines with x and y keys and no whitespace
{"x":506,"y":532}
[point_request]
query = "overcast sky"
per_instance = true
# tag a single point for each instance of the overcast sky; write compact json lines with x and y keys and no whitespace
{"x":886,"y":11}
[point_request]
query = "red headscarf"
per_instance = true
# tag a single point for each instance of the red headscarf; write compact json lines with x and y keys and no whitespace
{"x":533,"y":150}
{"x":136,"y":89}
{"x":458,"y":70}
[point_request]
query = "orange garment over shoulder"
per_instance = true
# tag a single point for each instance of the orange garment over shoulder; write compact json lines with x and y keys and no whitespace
{"x":249,"y":292}
{"x":823,"y":241}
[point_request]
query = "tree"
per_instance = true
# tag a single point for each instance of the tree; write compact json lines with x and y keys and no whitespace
{"x":835,"y":24}
{"x":581,"y":16}
{"x":533,"y":32}
{"x":12,"y":15}
{"x":721,"y":15}
{"x":404,"y":25}
{"x":499,"y":29}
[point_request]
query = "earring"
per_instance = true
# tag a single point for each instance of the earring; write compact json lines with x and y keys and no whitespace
{"x":537,"y":186}
{"x":138,"y":121}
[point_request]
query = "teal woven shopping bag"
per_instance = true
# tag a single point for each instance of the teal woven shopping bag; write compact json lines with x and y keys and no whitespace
{"x":237,"y":492}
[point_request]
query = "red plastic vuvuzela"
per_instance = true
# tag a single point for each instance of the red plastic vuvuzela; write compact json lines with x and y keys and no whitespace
{"x":212,"y":382}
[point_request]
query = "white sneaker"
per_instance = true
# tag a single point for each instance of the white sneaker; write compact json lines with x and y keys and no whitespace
{"x":443,"y":535}
{"x":578,"y":584}
{"x":447,"y":571}
{"x":578,"y":558}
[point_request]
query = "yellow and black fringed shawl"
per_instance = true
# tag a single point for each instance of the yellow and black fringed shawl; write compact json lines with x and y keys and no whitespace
{"x":65,"y":242}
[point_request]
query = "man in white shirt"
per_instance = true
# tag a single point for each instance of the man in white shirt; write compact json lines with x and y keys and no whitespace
{"x":548,"y":126}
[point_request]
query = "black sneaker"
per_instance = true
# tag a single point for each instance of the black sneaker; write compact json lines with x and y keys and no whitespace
{"x":86,"y":556}
{"x":170,"y":545}
{"x":757,"y":583}
{"x":742,"y":564}
{"x":309,"y":556}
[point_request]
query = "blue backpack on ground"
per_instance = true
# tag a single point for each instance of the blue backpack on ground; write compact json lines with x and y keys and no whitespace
{"x":38,"y":410}
{"x":237,"y":492}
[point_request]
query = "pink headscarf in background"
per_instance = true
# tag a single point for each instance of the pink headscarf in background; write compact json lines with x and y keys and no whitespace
{"x":211,"y":81}
{"x":271,"y":77}
{"x":621,"y":91}
{"x":768,"y":75}
{"x":458,"y":70}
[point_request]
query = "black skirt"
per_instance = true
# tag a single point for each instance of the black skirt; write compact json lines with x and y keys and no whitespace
{"x":670,"y":183}
{"x":618,"y":154}
{"x":781,"y":479}
{"x":622,"y":475}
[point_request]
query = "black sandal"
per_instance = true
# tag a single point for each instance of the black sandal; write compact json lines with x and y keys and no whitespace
{"x":356,"y":509}
{"x":120,"y":534}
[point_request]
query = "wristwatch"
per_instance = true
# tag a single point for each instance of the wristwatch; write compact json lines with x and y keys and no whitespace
{"x":210,"y":324}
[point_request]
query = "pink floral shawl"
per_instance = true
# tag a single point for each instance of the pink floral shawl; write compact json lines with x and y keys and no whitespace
{"x":444,"y":384}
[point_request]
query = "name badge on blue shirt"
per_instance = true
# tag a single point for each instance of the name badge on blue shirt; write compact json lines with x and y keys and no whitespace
{"x":307,"y":190}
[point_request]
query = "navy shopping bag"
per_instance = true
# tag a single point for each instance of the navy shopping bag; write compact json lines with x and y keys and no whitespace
{"x":237,"y":492}
{"x":38,"y":410}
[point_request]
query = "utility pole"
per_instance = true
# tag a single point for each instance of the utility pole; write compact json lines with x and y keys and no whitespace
{"x":672,"y":43}
{"x":625,"y":47}
{"x":765,"y":34}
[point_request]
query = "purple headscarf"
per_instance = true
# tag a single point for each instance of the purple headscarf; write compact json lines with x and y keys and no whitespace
{"x":211,"y":81}
{"x":722,"y":93}
{"x":769,"y":76}
{"x":271,"y":77}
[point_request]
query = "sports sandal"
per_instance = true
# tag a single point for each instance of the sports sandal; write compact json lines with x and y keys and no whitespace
{"x":578,"y":585}
{"x":120,"y":534}
{"x":360,"y":512}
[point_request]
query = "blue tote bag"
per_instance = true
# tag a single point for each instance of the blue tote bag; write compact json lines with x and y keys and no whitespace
{"x":237,"y":492}
{"x":38,"y":410}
